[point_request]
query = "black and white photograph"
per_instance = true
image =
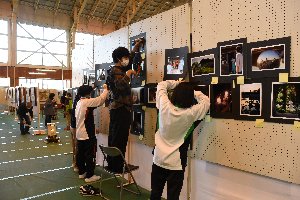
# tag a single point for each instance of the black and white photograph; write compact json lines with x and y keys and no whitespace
{"x":231,"y":59}
{"x":203,"y":65}
{"x":101,"y":75}
{"x":175,"y":65}
{"x":137,"y":123}
{"x":268,"y":57}
{"x":251,"y":99}
{"x":285,"y":101}
{"x":137,"y":95}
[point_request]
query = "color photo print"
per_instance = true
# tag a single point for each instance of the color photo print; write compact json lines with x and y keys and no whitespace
{"x":175,"y":65}
{"x":221,"y":101}
{"x":268,"y":58}
{"x":231,"y":59}
{"x":152,"y":95}
{"x":251,"y":99}
{"x":285,"y":100}
{"x":203,"y":65}
{"x":137,"y":95}
{"x":137,"y":123}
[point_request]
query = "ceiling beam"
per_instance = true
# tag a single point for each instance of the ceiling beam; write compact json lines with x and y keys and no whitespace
{"x":142,"y":13}
{"x":110,"y":10}
{"x":15,"y":5}
{"x":77,"y":10}
{"x":36,"y":4}
{"x":93,"y":9}
{"x":56,"y":6}
{"x":130,"y":11}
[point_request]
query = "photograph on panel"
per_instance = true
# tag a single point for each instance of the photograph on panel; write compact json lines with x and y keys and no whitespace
{"x":268,"y":58}
{"x":85,"y":77}
{"x":101,"y":75}
{"x":140,"y":39}
{"x":231,"y":59}
{"x":203,"y":65}
{"x":137,"y":95}
{"x":175,"y":65}
{"x":285,"y":101}
{"x":152,"y":95}
{"x":92,"y":78}
{"x":205,"y":89}
{"x":251,"y":99}
{"x":222,"y":98}
{"x":137,"y":123}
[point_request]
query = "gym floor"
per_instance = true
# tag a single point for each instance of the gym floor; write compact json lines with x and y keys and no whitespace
{"x":32,"y":169}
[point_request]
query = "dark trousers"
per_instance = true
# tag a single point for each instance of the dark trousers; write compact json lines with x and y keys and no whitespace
{"x":160,"y":176}
{"x":120,"y":120}
{"x":86,"y":156}
{"x":24,"y":129}
{"x":47,"y":119}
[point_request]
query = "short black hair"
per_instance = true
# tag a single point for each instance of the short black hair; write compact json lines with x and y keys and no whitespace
{"x":85,"y":90}
{"x":239,"y":49}
{"x":51,"y":96}
{"x":120,"y":52}
{"x":183,"y":95}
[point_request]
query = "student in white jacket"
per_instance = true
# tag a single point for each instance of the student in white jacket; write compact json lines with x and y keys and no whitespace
{"x":176,"y":124}
{"x":85,"y":132}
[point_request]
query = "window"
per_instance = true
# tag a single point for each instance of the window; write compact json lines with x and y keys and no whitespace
{"x":3,"y":41}
{"x":41,"y":46}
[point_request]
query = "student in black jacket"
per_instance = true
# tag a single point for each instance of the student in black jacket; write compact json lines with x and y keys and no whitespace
{"x":24,"y":113}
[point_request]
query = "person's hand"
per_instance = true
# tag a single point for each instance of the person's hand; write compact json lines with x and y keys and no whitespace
{"x":105,"y":86}
{"x":130,"y":72}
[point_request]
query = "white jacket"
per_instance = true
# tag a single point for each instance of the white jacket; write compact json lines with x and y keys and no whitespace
{"x":174,"y":124}
{"x":81,"y":110}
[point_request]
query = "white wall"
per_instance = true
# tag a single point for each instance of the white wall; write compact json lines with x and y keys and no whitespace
{"x":216,"y":21}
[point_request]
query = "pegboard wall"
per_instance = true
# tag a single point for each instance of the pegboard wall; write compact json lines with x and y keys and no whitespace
{"x":274,"y":149}
{"x":270,"y":151}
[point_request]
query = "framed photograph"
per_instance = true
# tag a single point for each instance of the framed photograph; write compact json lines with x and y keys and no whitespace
{"x":137,"y":95}
{"x":176,"y":63}
{"x":202,"y":65}
{"x":101,"y":73}
{"x":285,"y":101}
{"x":269,"y":58}
{"x":150,"y":94}
{"x":232,"y":59}
{"x":250,"y":100}
{"x":221,"y":100}
{"x":139,"y":62}
{"x":205,"y":89}
{"x":137,"y":125}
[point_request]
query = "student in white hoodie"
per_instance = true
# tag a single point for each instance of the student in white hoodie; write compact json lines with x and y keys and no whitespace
{"x":85,"y":132}
{"x":176,"y":124}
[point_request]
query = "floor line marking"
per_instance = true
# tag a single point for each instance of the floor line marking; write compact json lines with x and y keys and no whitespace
{"x":39,"y":157}
{"x":52,"y":192}
{"x":34,"y":173}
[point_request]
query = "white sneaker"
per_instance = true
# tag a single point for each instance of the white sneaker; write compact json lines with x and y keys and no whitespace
{"x":82,"y":175}
{"x":92,"y":179}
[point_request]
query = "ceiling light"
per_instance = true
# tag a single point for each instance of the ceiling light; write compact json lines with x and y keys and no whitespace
{"x":21,"y":77}
{"x":37,"y":73}
{"x":46,"y":70}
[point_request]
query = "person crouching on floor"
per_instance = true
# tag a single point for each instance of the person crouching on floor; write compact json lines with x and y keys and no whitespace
{"x":176,"y":119}
{"x":85,"y":132}
{"x":25,"y":115}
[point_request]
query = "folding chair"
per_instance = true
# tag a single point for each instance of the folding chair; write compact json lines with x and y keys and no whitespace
{"x":127,"y":169}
